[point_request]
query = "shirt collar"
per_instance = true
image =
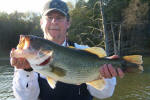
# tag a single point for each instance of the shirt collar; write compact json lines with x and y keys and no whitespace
{"x":65,"y":44}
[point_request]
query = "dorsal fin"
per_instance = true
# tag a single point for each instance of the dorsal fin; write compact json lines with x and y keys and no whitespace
{"x":71,"y":47}
{"x":100,"y":52}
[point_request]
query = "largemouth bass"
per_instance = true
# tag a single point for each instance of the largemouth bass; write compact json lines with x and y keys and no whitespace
{"x":70,"y":65}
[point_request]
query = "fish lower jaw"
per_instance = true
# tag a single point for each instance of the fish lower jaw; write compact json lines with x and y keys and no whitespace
{"x":37,"y":62}
{"x":37,"y":68}
{"x":41,"y":69}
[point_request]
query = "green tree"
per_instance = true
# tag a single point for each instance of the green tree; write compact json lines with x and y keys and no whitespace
{"x":14,"y":24}
{"x":85,"y":28}
{"x":136,"y":13}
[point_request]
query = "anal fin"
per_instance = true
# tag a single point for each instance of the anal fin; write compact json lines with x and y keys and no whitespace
{"x":51,"y":82}
{"x":98,"y":84}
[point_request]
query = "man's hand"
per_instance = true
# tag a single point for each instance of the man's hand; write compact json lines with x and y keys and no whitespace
{"x":20,"y":63}
{"x":107,"y":70}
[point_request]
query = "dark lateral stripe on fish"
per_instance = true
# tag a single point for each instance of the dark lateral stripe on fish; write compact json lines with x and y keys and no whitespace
{"x":45,"y":62}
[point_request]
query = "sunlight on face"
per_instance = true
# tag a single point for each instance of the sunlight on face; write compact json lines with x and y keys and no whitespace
{"x":55,"y":26}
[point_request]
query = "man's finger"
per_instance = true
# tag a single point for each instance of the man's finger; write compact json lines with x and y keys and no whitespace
{"x":20,"y":63}
{"x":13,"y":61}
{"x":113,"y":57}
{"x":112,"y":70}
{"x":102,"y":70}
{"x":106,"y":72}
{"x":26,"y":64}
{"x":120,"y":73}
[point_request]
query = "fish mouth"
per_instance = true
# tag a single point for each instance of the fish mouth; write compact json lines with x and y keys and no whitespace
{"x":46,"y":61}
{"x":26,"y":51}
{"x":24,"y":42}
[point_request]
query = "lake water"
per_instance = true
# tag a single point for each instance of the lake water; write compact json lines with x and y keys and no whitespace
{"x":6,"y":76}
{"x":131,"y":87}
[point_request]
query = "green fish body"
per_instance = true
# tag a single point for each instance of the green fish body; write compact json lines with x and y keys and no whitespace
{"x":70,"y":65}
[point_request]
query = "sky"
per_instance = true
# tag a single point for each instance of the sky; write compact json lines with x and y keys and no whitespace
{"x":10,"y":6}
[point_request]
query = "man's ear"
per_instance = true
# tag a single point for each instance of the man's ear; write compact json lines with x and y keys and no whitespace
{"x":41,"y":21}
{"x":68,"y":24}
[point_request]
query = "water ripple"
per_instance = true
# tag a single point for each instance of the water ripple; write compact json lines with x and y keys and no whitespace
{"x":6,"y":76}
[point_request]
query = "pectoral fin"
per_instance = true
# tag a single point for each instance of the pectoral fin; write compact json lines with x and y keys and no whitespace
{"x":51,"y":82}
{"x":98,"y":84}
{"x":58,"y":71}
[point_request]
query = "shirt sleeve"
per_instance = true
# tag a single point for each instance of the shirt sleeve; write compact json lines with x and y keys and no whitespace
{"x":80,"y":46}
{"x":25,"y":85}
{"x":106,"y":92}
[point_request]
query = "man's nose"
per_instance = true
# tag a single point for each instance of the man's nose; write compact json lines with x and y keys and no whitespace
{"x":54,"y":20}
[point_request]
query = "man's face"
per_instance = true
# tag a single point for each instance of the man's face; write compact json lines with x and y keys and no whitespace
{"x":55,"y":25}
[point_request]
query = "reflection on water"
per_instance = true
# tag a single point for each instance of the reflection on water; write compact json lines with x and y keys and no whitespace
{"x":131,"y":87}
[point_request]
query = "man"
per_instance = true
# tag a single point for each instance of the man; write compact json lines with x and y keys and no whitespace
{"x":29,"y":85}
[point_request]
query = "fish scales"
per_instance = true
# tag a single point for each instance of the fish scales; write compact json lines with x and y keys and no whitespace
{"x":70,"y":65}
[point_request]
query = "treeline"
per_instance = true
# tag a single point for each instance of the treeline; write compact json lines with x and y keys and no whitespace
{"x":126,"y":21}
{"x":127,"y":24}
{"x":14,"y":24}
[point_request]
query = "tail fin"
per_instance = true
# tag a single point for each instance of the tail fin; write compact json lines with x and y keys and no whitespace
{"x":137,"y":59}
{"x":134,"y":59}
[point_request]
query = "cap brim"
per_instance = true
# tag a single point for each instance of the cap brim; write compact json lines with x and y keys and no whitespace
{"x":54,"y":9}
